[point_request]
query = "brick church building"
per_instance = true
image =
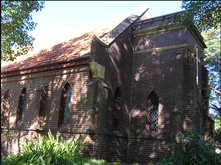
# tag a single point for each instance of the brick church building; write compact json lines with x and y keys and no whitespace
{"x":127,"y":86}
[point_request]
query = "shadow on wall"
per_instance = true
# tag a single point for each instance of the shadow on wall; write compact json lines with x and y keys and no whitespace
{"x":44,"y":91}
{"x":160,"y":72}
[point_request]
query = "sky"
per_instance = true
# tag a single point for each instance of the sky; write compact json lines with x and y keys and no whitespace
{"x":62,"y":20}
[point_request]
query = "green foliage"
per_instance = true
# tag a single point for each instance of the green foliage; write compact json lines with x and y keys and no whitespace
{"x":204,"y":14}
{"x":16,"y":22}
{"x":188,"y":148}
{"x":218,"y":129}
{"x":161,"y":26}
{"x":213,"y":64}
{"x":49,"y":150}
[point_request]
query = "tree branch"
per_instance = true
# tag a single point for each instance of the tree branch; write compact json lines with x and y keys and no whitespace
{"x":215,"y":107}
{"x":216,"y":91}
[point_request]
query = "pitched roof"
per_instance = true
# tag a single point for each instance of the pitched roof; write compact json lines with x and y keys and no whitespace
{"x":64,"y":51}
{"x":78,"y":46}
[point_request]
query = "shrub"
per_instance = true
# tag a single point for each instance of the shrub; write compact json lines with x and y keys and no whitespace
{"x":189,"y":148}
{"x":49,"y":150}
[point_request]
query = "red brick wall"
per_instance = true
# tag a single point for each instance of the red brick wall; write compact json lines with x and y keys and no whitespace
{"x":117,"y":60}
{"x":170,"y":73}
{"x":55,"y":80}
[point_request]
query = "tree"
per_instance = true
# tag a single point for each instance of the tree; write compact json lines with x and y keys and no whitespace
{"x":213,"y":64}
{"x":204,"y":14}
{"x":16,"y":22}
{"x":218,"y":129}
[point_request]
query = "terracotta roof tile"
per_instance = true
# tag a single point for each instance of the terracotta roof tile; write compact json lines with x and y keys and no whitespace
{"x":76,"y":47}
{"x":64,"y":51}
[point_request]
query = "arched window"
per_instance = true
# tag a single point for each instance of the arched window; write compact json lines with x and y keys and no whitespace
{"x":43,"y":98}
{"x":5,"y":106}
{"x":65,"y":105}
{"x":21,"y":107}
{"x":152,"y":112}
{"x":197,"y":64}
{"x":116,"y":109}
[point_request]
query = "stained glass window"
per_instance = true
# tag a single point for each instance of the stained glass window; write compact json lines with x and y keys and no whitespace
{"x":152,"y":112}
{"x":43,"y":98}
{"x":21,"y":107}
{"x":65,"y":105}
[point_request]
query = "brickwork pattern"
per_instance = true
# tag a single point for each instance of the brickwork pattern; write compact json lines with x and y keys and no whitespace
{"x":171,"y":75}
{"x":117,"y":59}
{"x":77,"y":77}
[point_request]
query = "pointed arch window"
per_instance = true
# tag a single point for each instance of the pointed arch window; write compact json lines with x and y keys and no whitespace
{"x":43,"y":99}
{"x":21,"y":107}
{"x":152,"y":112}
{"x":116,"y":110}
{"x":65,"y":105}
{"x":5,"y":106}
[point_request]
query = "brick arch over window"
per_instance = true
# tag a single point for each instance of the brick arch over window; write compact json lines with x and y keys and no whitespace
{"x":64,"y":106}
{"x":5,"y":107}
{"x":116,"y":109}
{"x":21,"y":107}
{"x":152,"y":112}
